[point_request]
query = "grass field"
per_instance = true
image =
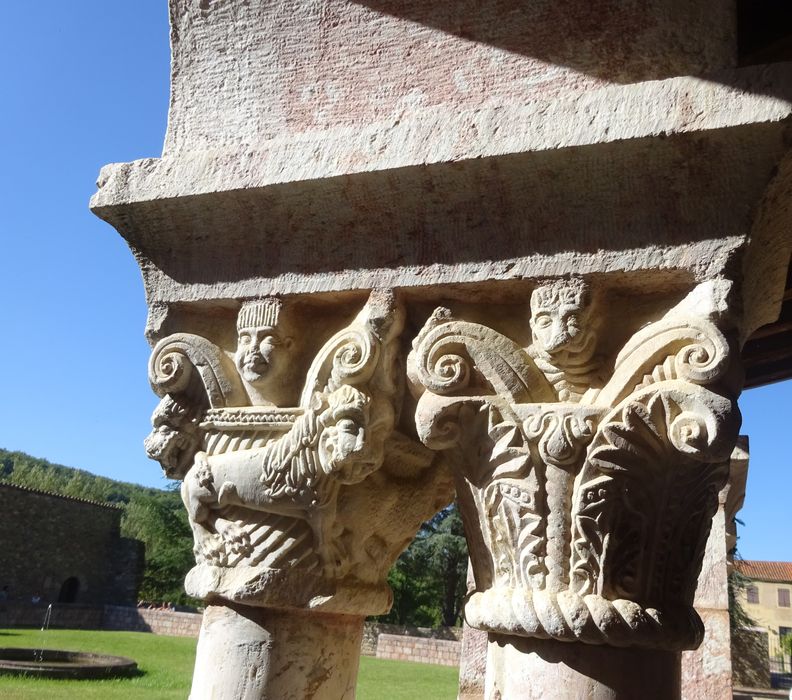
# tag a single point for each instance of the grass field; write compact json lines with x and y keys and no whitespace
{"x":166,"y":668}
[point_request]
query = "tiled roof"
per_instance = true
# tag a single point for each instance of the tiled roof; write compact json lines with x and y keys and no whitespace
{"x":19,"y":487}
{"x":766,"y":570}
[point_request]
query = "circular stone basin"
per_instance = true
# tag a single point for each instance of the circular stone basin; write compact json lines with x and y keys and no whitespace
{"x":56,"y":663}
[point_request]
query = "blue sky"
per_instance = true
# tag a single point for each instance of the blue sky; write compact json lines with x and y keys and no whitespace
{"x":84,"y":84}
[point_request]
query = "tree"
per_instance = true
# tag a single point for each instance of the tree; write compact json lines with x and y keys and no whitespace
{"x":160,"y":522}
{"x":444,"y":547}
{"x":786,"y":644}
{"x":428,"y":580}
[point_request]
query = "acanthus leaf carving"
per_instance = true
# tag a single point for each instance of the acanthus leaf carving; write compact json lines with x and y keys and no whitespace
{"x":658,"y":459}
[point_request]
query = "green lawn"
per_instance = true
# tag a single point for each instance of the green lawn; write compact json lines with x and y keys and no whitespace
{"x":166,"y":665}
{"x":404,"y":680}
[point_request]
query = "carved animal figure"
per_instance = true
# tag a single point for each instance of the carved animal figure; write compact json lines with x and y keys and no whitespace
{"x":295,"y":475}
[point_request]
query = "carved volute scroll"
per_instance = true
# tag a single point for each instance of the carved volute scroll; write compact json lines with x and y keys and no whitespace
{"x":280,"y":492}
{"x":587,"y":479}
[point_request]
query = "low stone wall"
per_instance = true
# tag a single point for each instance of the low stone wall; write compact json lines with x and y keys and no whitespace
{"x":372,"y":631}
{"x":440,"y":645}
{"x":62,"y":616}
{"x":427,"y":651}
{"x":175,"y":624}
{"x":107,"y":617}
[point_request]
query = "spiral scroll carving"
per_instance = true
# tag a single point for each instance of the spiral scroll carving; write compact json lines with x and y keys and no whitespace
{"x":170,"y":370}
{"x":348,"y":358}
{"x":704,"y":361}
{"x":179,"y":358}
{"x":689,"y":349}
{"x":447,"y":356}
{"x":356,"y":352}
{"x":443,"y":366}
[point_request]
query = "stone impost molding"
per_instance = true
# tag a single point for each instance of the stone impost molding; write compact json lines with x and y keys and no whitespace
{"x":393,"y":247}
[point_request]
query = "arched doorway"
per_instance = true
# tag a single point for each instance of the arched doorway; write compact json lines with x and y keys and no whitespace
{"x":69,"y":589}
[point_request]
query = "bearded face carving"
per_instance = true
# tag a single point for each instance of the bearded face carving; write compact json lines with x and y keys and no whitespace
{"x":343,"y":442}
{"x":564,"y":334}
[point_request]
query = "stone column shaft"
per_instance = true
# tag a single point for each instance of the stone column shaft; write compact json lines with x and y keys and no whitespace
{"x":534,"y":669}
{"x":253,"y":653}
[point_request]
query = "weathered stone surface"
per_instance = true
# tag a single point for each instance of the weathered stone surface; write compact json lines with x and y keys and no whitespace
{"x":473,"y":664}
{"x":535,"y":669}
{"x":707,"y":671}
{"x":465,"y":172}
{"x":572,"y":225}
{"x":322,"y":64}
{"x":472,"y":217}
{"x":259,"y":653}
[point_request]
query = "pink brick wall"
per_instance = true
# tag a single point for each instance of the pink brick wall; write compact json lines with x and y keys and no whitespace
{"x":175,"y":624}
{"x":428,"y":651}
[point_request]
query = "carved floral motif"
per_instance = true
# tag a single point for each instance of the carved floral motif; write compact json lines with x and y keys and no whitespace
{"x":587,"y":498}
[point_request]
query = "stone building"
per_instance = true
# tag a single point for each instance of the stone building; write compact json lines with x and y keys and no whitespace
{"x":65,"y":550}
{"x":767,"y":600}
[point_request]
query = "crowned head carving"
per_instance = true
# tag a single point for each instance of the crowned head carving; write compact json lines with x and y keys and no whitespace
{"x":263,"y":349}
{"x":562,"y":322}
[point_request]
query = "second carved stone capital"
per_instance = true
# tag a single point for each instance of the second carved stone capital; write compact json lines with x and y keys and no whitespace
{"x":587,"y":484}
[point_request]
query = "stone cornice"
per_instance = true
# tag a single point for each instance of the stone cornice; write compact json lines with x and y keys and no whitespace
{"x":428,"y":136}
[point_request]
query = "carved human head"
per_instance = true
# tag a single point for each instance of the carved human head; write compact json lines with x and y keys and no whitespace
{"x":562,"y":320}
{"x":344,"y":451}
{"x":263,"y":343}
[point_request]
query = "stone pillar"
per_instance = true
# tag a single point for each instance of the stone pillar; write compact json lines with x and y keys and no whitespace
{"x":473,"y":657}
{"x":568,"y":232}
{"x":299,"y":499}
{"x":249,"y":652}
{"x":707,"y":671}
{"x":587,"y":486}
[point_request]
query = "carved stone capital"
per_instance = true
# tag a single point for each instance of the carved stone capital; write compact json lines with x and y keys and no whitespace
{"x":587,"y":480}
{"x":294,"y":476}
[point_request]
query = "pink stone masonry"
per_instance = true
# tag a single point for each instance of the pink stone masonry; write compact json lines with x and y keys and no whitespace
{"x":428,"y":651}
